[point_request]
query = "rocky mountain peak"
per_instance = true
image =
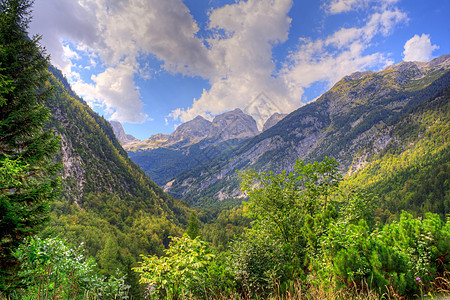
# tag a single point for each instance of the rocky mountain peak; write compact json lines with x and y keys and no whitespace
{"x":152,"y":142}
{"x":358,"y":75}
{"x":422,"y":67}
{"x":273,"y":120}
{"x":158,"y":137}
{"x":194,"y":130}
{"x":233,"y":125}
{"x":120,"y":133}
{"x":368,"y":88}
{"x":443,"y":60}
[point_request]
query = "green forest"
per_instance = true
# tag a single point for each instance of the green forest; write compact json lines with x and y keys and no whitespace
{"x":102,"y":229}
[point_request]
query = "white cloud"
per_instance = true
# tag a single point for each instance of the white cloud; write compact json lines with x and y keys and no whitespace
{"x":117,"y":33}
{"x":117,"y":86}
{"x":419,"y":48}
{"x":241,"y":49}
{"x":238,"y":66}
{"x":69,"y":53}
{"x":341,"y":6}
{"x":163,"y":28}
{"x":236,"y":59}
{"x":59,"y":21}
{"x":328,"y":60}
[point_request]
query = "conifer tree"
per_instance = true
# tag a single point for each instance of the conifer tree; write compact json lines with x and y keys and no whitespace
{"x":193,"y":226}
{"x":28,"y":171}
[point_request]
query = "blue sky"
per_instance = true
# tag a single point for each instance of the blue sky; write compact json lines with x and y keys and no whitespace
{"x":154,"y":64}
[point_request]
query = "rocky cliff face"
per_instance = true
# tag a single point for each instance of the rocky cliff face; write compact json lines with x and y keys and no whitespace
{"x":94,"y":163}
{"x":233,"y":125}
{"x":120,"y":133}
{"x":192,"y":131}
{"x":273,"y":120}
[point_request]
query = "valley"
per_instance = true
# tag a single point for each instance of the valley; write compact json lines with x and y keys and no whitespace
{"x":347,"y":196}
{"x":352,"y":122}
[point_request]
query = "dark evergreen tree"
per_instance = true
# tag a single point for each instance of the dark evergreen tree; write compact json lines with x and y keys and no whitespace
{"x":193,"y":226}
{"x":28,"y":171}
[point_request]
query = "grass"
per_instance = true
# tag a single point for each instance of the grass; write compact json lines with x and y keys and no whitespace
{"x":297,"y":291}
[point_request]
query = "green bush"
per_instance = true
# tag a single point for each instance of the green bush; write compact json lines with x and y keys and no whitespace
{"x":183,"y":273}
{"x":291,"y":212}
{"x":405,"y":256}
{"x":51,"y":269}
{"x":259,"y":262}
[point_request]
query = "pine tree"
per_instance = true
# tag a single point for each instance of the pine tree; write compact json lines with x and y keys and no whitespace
{"x":108,"y":257}
{"x":193,"y":226}
{"x":28,"y":171}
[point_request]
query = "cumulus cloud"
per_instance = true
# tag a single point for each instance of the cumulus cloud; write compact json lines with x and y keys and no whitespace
{"x":165,"y":29}
{"x":419,"y":48}
{"x":118,"y":32}
{"x":236,"y":57}
{"x":117,"y":85}
{"x":328,"y":60}
{"x":241,"y":48}
{"x":341,"y":6}
{"x":59,"y":21}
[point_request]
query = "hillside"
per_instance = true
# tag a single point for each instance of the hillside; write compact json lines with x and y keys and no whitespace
{"x":350,"y":117}
{"x":412,"y":172}
{"x":107,"y":201}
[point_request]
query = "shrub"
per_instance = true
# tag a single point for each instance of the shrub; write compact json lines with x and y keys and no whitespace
{"x":405,"y":256}
{"x":184,"y":272}
{"x":51,"y":269}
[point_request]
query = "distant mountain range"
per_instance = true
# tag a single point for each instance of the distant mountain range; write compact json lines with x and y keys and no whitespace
{"x":351,"y":122}
{"x":227,"y":126}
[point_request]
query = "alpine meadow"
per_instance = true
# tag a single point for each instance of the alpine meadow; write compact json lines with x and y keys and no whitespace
{"x":211,"y":156}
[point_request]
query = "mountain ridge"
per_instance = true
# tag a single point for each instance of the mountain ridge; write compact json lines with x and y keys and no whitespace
{"x":226,"y":126}
{"x":344,"y":119}
{"x":354,"y":113}
{"x":273,"y":120}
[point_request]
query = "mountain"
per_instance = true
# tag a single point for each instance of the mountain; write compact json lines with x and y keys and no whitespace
{"x":152,"y":142}
{"x":233,"y":125}
{"x":227,"y":126}
{"x":191,"y":132}
{"x":412,"y":172}
{"x":120,"y":133}
{"x":356,"y":113}
{"x":107,"y":202}
{"x":164,"y":157}
{"x":273,"y":120}
{"x":186,"y":134}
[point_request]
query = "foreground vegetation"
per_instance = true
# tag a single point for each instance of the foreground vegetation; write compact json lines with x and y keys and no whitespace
{"x":310,"y":237}
{"x":50,"y":269}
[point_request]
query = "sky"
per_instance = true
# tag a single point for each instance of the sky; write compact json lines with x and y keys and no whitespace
{"x":154,"y":64}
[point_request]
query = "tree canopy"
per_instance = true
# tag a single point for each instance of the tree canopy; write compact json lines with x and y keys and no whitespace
{"x":27,"y":166}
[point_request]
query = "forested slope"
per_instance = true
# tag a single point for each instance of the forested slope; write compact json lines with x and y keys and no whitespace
{"x":107,"y":202}
{"x":412,"y":172}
